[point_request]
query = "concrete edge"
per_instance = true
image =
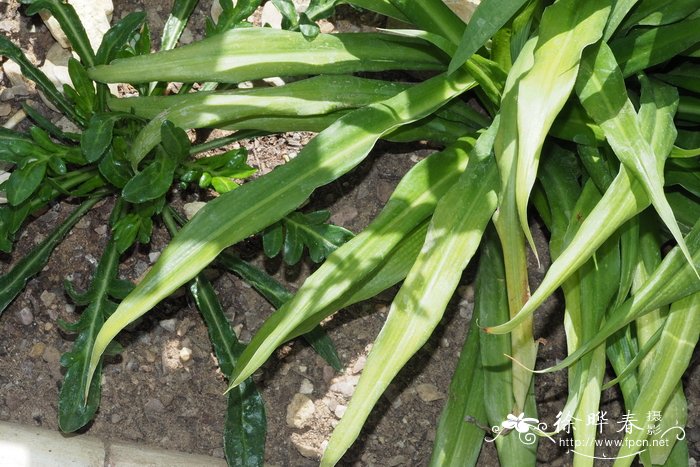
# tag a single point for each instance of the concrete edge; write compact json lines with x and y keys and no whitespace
{"x":25,"y":446}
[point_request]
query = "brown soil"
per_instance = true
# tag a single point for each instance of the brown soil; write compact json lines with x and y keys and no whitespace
{"x":148,"y":398}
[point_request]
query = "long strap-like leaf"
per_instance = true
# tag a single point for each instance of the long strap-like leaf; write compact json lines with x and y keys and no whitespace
{"x":236,"y":56}
{"x":374,"y":259}
{"x":246,"y":424}
{"x":567,"y":27}
{"x":252,"y":207}
{"x":453,"y":237}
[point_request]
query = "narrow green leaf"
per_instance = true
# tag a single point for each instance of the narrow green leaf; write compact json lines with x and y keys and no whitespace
{"x":566,"y":28}
{"x":673,"y":354}
{"x":674,"y":279}
{"x":176,"y":22}
{"x":324,"y":292}
{"x":686,"y":76}
{"x":118,"y":36}
{"x":75,"y":408}
{"x":320,"y":238}
{"x":458,"y":439}
{"x":621,"y":201}
{"x":82,"y":84}
{"x":236,"y":56}
{"x":603,"y":94}
{"x":508,"y":227}
{"x":267,"y":199}
{"x":13,"y":282}
{"x":687,"y":210}
{"x":311,"y":104}
{"x":232,"y":15}
{"x":491,"y":306}
{"x":48,"y":126}
{"x":648,"y":47}
{"x":433,"y":16}
{"x":659,"y":12}
{"x":246,"y":424}
{"x":453,"y":237}
{"x":489,"y":17}
{"x":619,"y":11}
{"x":630,"y":369}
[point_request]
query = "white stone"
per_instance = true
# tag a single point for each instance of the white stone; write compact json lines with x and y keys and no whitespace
{"x":185,"y":354}
{"x":305,"y":448}
{"x":56,"y":65}
{"x":170,"y":356}
{"x":26,"y":316}
{"x":95,"y":16}
{"x":271,"y":16}
{"x":216,"y":10}
{"x":47,"y":298}
{"x":66,"y":125}
{"x":359,"y":365}
{"x":340,"y":410}
{"x":306,"y":387}
{"x":300,"y":411}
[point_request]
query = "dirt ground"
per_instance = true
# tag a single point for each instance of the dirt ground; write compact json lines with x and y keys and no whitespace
{"x":151,"y":397}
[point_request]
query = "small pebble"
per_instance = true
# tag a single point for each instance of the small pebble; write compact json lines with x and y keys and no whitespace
{"x":299,"y":411}
{"x":101,"y":230}
{"x":51,"y":355}
{"x":5,"y":109}
{"x":330,"y":403}
{"x":304,"y":447}
{"x":25,"y":316}
{"x":154,"y":406}
{"x":37,"y":350}
{"x":153,"y":256}
{"x":343,"y":387}
{"x":150,"y":356}
{"x":168,"y":324}
{"x":48,"y":327}
{"x":185,"y":354}
{"x":116,"y":418}
{"x":359,"y":365}
{"x":340,"y":410}
{"x":170,"y":357}
{"x":429,"y":393}
{"x":306,"y":387}
{"x":47,"y":298}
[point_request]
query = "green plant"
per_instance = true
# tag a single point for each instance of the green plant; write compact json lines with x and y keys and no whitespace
{"x":588,"y":113}
{"x":48,"y":164}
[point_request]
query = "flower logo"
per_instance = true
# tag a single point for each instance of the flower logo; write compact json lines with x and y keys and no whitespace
{"x":521,"y":423}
